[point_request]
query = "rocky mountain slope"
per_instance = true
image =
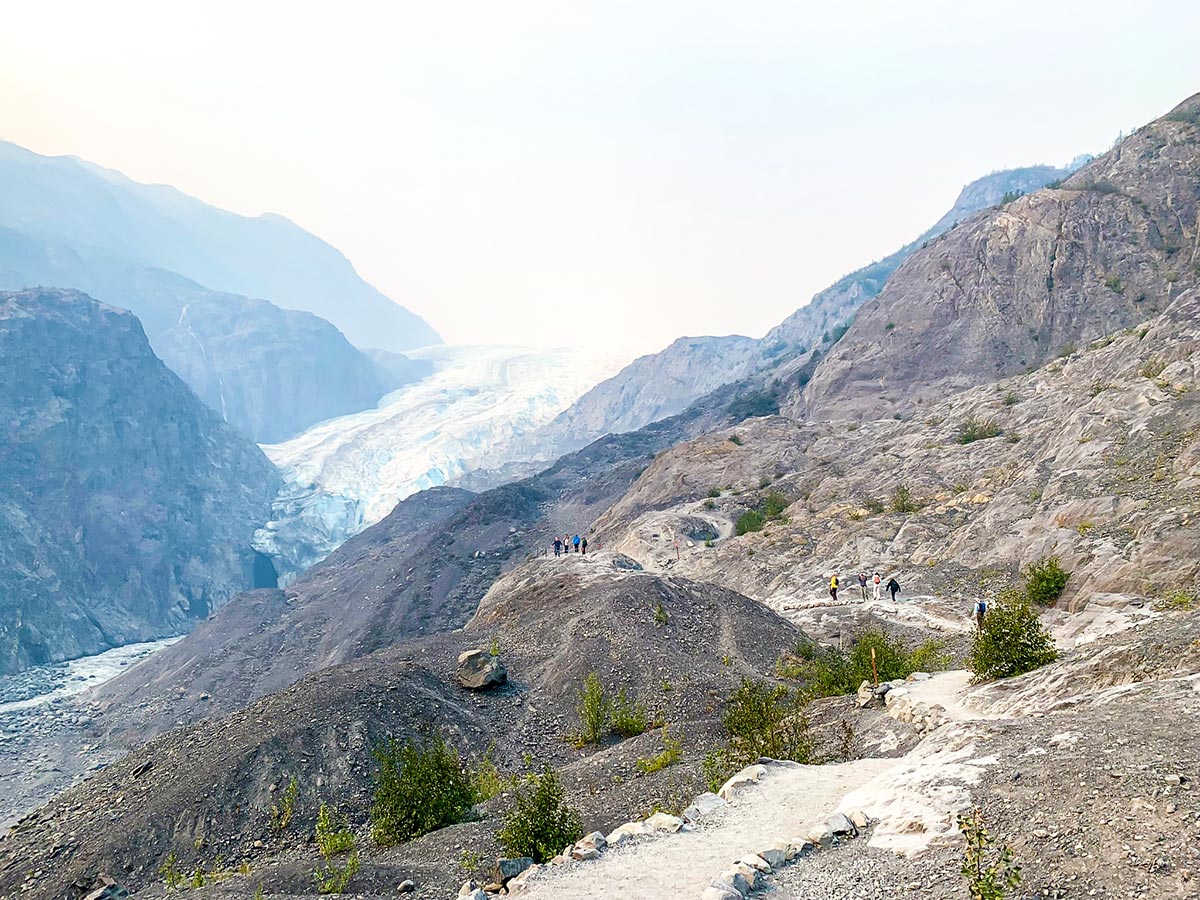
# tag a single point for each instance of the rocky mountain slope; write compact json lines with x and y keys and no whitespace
{"x":1013,"y":287}
{"x":127,"y":506}
{"x":664,"y":383}
{"x":101,"y":212}
{"x":270,"y":372}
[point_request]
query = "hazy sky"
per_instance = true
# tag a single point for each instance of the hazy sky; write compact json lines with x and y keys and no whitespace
{"x":567,"y":172}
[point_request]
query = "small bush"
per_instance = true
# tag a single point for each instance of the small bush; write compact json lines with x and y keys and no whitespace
{"x":660,"y":614}
{"x":283,"y":812}
{"x":874,"y":505}
{"x":830,"y":672}
{"x":420,"y":788}
{"x":672,"y":752}
{"x":334,"y":879}
{"x":710,"y":504}
{"x":1012,"y":640}
{"x":735,"y":440}
{"x":754,"y":405}
{"x":773,"y":505}
{"x":1152,"y":368}
{"x":749,"y":521}
{"x":714,"y":492}
{"x":1011,"y":399}
{"x":629,"y":717}
{"x":170,"y":873}
{"x":486,"y":779}
{"x":1045,"y":580}
{"x":903,"y":500}
{"x":594,"y":712}
{"x":974,"y":430}
{"x":989,"y":870}
{"x":1113,"y":283}
{"x":540,"y":823}
{"x":765,"y":719}
{"x":1175,"y":601}
{"x":333,"y":832}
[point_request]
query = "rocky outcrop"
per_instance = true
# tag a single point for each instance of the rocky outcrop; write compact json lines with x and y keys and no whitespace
{"x":479,"y":670}
{"x":1015,"y":286}
{"x":268,"y":371}
{"x":83,"y":206}
{"x":126,"y":506}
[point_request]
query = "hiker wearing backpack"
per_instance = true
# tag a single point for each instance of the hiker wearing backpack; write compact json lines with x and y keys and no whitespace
{"x":978,"y":611}
{"x":894,"y":586}
{"x":862,"y":584}
{"x":833,"y":586}
{"x":878,"y":585}
{"x":583,"y":546}
{"x":558,"y":546}
{"x":575,"y":541}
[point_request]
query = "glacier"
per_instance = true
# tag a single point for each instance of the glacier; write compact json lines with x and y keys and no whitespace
{"x":345,"y":474}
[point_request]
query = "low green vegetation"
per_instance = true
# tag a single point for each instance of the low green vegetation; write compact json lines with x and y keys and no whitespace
{"x":989,"y":869}
{"x":672,"y":752}
{"x":735,"y":440}
{"x":629,"y":718}
{"x":1152,"y":368}
{"x":1175,"y":601}
{"x":660,"y":614}
{"x":710,"y":504}
{"x":770,"y":509}
{"x":1045,"y":580}
{"x":714,"y":492}
{"x":904,"y":501}
{"x":169,"y":870}
{"x":1011,"y":399}
{"x":487,"y":780}
{"x":420,"y":787}
{"x":1113,"y":283}
{"x":1012,"y":640}
{"x":333,"y":832}
{"x":332,"y":878}
{"x":831,"y":672}
{"x":540,"y":822}
{"x":283,"y":811}
{"x":761,"y":719}
{"x":754,"y":405}
{"x":974,"y":430}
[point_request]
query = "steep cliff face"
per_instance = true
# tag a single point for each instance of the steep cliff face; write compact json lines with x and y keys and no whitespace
{"x":1017,"y":285}
{"x":270,"y":372}
{"x":126,"y":506}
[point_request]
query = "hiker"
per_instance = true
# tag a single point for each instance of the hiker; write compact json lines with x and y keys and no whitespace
{"x":833,"y":584}
{"x":558,"y":545}
{"x":978,"y":611}
{"x":878,"y":582}
{"x":862,"y":584}
{"x":894,"y":586}
{"x":575,"y":541}
{"x":583,"y":546}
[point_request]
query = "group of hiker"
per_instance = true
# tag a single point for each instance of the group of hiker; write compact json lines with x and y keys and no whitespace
{"x":566,"y":543}
{"x":875,"y":581}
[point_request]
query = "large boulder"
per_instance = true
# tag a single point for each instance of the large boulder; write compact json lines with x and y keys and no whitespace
{"x":479,"y":670}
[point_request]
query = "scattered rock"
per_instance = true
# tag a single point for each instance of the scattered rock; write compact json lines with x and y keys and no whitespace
{"x":507,"y":869}
{"x":478,"y":670}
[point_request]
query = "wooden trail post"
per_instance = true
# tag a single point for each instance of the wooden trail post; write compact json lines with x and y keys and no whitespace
{"x":874,"y":671}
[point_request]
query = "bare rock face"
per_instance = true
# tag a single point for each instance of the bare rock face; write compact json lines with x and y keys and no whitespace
{"x":478,"y":670}
{"x":126,"y":506}
{"x":1017,"y":285}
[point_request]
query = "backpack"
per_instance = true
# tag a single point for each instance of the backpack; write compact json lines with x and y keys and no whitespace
{"x":877,"y":579}
{"x":981,"y":606}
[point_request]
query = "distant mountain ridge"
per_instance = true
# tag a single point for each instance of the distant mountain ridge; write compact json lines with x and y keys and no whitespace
{"x":268,"y":257}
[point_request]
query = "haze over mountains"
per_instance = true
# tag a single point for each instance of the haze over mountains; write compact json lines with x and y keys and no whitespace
{"x":262,"y":319}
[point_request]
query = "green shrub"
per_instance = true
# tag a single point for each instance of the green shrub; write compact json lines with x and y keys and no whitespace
{"x":1011,"y":399}
{"x":170,"y":873}
{"x":1152,"y":368}
{"x":989,"y":869}
{"x":753,"y":405}
{"x":974,"y":430}
{"x":874,"y":505}
{"x":1012,"y":640}
{"x":671,"y":753}
{"x":333,"y":832}
{"x":1010,"y":196}
{"x":830,"y":672}
{"x":594,"y":712}
{"x":1045,"y":580}
{"x":903,"y":500}
{"x":751,"y":520}
{"x":709,"y":504}
{"x":420,"y":788}
{"x":629,"y":717}
{"x":773,"y":505}
{"x":1113,"y":283}
{"x":283,"y":811}
{"x":765,"y":719}
{"x":735,"y":440}
{"x":486,"y":779}
{"x":1176,"y":600}
{"x":714,"y":492}
{"x":540,"y":823}
{"x":334,"y":879}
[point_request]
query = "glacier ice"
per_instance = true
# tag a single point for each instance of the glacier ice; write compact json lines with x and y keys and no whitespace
{"x":346,"y":474}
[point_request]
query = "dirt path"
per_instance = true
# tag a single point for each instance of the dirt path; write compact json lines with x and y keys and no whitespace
{"x":783,"y":807}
